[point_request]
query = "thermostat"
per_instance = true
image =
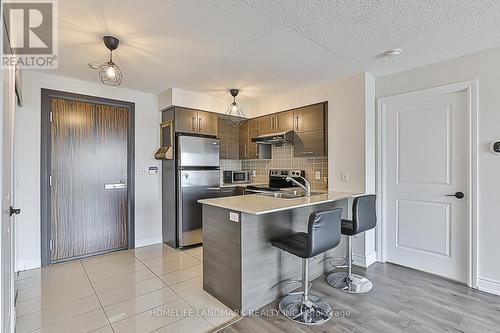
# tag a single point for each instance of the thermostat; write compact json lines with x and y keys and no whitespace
{"x":495,"y":147}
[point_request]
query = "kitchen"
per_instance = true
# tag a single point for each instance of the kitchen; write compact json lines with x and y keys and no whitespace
{"x":206,"y":166}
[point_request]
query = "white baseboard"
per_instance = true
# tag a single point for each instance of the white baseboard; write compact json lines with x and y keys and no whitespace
{"x":148,"y":241}
{"x":488,"y":285}
{"x":363,"y":261}
{"x":25,"y":264}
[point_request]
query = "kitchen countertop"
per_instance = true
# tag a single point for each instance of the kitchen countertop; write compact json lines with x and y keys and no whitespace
{"x":257,"y":204}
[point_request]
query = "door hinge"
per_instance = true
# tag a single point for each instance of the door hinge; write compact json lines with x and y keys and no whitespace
{"x":51,"y":245}
{"x":50,"y":116}
{"x":50,"y":180}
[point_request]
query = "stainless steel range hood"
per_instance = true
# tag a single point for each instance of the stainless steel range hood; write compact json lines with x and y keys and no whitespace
{"x":275,"y":138}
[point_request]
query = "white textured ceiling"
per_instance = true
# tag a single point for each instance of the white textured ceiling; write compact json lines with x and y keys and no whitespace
{"x":264,"y":47}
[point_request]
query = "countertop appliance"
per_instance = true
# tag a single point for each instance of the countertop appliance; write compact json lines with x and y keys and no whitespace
{"x":236,"y":177}
{"x":277,"y":181}
{"x":197,"y":178}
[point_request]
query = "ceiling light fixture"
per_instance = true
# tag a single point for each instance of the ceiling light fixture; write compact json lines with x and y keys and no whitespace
{"x":393,"y":53}
{"x":235,"y":114}
{"x":109,"y":73}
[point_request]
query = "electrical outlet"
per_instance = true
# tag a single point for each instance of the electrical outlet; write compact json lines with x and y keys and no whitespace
{"x":317,"y":175}
{"x":235,"y":217}
{"x":345,"y":176}
{"x":254,"y":173}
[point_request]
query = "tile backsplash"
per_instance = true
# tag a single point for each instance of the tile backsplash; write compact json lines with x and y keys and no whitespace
{"x":282,"y":158}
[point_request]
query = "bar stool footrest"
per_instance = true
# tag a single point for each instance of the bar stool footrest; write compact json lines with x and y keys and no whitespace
{"x":285,"y":284}
{"x":338,"y":262}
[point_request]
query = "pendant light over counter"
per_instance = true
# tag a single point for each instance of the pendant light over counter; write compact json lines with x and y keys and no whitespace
{"x":109,"y":73}
{"x":235,"y":116}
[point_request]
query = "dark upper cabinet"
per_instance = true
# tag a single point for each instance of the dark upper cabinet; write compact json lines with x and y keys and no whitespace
{"x":244,"y":140}
{"x":186,"y":120}
{"x":195,"y":121}
{"x":253,"y":131}
{"x":309,"y":144}
{"x":207,"y":123}
{"x":266,"y":124}
{"x":284,"y":121}
{"x":311,"y":130}
{"x":229,"y":140}
{"x":309,"y":118}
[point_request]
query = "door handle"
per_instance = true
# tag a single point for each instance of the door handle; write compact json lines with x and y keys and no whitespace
{"x":458,"y":195}
{"x":13,"y":211}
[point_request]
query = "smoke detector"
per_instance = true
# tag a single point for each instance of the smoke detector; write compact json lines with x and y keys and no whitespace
{"x":392,"y":53}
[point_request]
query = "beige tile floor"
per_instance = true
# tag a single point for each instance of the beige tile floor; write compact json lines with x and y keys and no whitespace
{"x":149,"y":289}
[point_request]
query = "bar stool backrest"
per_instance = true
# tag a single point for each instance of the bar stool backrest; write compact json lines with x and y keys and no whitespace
{"x":364,"y":216}
{"x":323,"y":231}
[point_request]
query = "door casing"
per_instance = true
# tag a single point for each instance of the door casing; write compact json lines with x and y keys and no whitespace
{"x":471,"y":89}
{"x":46,"y":95}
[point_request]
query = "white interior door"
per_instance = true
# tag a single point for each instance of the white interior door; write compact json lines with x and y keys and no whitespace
{"x":7,"y":242}
{"x":426,"y":158}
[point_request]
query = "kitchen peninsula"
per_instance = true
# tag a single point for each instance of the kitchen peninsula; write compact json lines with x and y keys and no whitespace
{"x":240,"y":267}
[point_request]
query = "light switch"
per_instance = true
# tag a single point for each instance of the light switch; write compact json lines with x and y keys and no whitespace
{"x":345,"y":176}
{"x":235,"y":217}
{"x":317,"y":175}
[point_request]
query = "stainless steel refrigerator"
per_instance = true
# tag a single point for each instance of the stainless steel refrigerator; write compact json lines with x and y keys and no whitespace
{"x":197,"y":178}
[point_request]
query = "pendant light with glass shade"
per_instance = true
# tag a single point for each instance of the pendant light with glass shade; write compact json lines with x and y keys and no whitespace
{"x":109,"y":73}
{"x":235,"y":116}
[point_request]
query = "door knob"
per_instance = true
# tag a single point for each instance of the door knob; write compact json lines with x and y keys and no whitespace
{"x":13,"y":211}
{"x":458,"y":195}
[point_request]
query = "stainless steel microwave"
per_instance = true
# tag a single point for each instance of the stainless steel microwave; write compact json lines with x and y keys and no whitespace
{"x":236,"y":177}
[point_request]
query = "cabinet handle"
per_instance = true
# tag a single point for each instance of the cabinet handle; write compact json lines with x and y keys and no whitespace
{"x":245,"y":150}
{"x":277,"y":122}
{"x":193,"y":123}
{"x":272,"y":123}
{"x":199,"y":124}
{"x":306,"y":152}
{"x":297,"y":123}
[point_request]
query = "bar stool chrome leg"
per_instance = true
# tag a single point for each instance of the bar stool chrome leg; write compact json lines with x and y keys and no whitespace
{"x":347,"y":281}
{"x":305,"y":308}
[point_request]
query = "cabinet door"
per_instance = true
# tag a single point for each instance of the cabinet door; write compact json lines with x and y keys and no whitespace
{"x":253,"y":131}
{"x":309,"y":144}
{"x":222,"y":134}
{"x":266,"y":124}
{"x":186,"y":120}
{"x":207,"y":123}
{"x":284,"y":121}
{"x":233,"y":139}
{"x":309,"y":118}
{"x":243,"y":141}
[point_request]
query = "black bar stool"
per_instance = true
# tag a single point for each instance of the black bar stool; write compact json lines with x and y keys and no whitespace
{"x":323,"y":234}
{"x":364,"y":218}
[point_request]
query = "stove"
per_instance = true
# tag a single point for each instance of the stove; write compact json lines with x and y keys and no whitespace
{"x":277,"y":181}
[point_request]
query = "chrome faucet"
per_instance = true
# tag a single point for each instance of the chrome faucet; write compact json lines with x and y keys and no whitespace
{"x":306,"y":187}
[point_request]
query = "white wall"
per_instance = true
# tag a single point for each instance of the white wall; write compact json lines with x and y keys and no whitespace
{"x":485,"y":67}
{"x":147,"y":187}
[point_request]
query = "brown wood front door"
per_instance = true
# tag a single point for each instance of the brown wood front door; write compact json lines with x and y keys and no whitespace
{"x":88,"y":182}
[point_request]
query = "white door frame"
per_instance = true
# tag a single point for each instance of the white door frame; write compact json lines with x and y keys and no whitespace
{"x":471,"y":89}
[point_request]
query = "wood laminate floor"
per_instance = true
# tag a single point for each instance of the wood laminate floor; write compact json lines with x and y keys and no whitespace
{"x":402,"y":300}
